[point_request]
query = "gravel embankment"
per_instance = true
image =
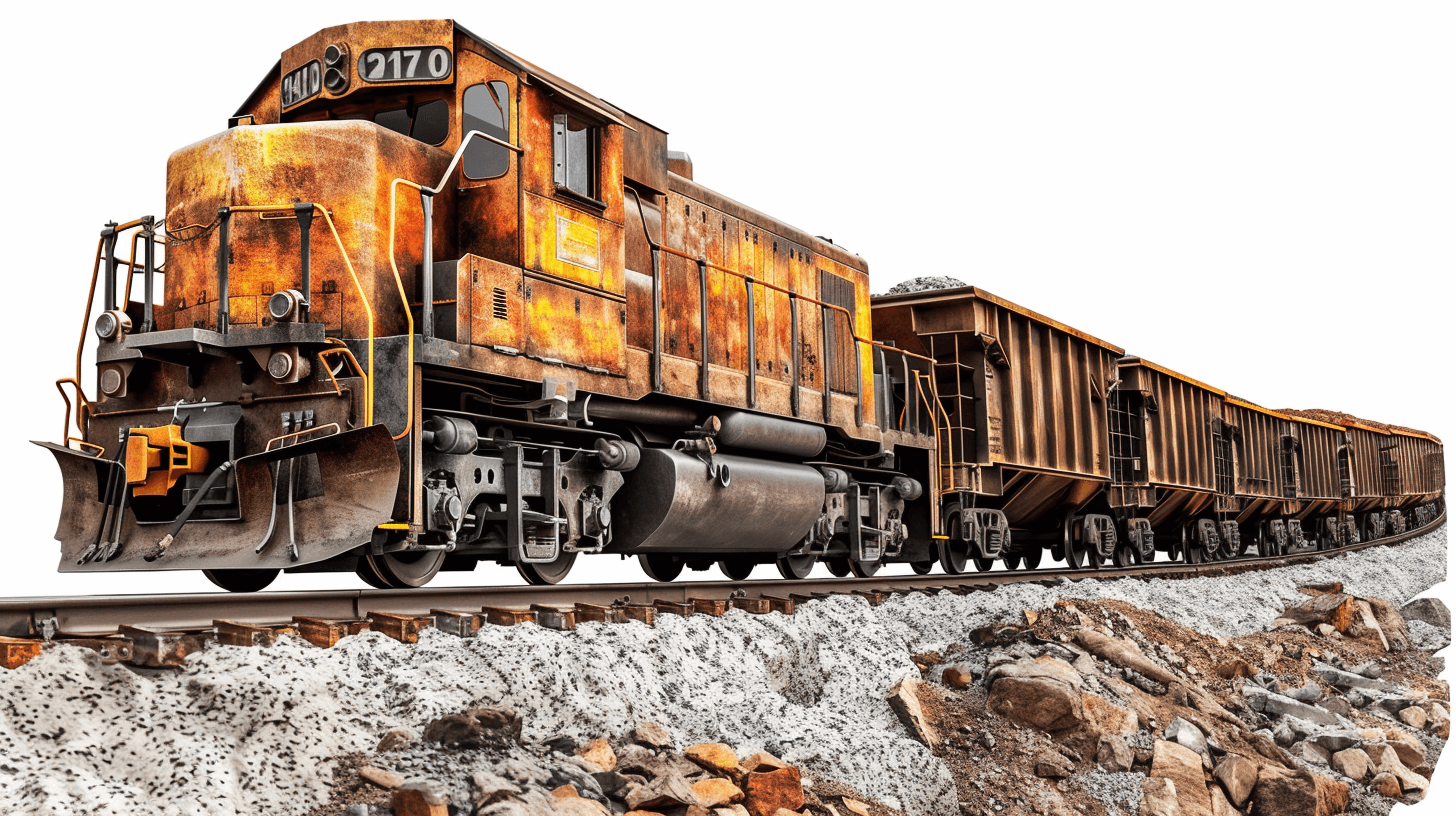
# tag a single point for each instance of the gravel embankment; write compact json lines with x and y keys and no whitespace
{"x":253,"y":730}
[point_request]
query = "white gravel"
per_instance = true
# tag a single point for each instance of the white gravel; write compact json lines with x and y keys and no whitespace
{"x":252,"y":730}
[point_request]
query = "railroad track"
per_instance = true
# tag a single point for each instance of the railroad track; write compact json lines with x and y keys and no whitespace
{"x":161,"y":630}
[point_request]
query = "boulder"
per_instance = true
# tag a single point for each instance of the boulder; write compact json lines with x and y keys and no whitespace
{"x":1185,"y":769}
{"x":1348,"y":680}
{"x":855,"y":806}
{"x":1160,"y":798}
{"x":477,"y":728}
{"x":420,"y":797}
{"x":1189,"y":736}
{"x":1311,"y":752}
{"x":1042,"y":693}
{"x":1274,"y":705}
{"x":767,"y":792}
{"x":716,"y":757}
{"x":599,"y":754}
{"x":1429,"y":610}
{"x":904,"y":699}
{"x":1220,"y":803}
{"x":615,"y":785}
{"x":1386,"y":785}
{"x":1410,"y":750}
{"x":1052,"y":765}
{"x":666,"y":791}
{"x":1354,"y":763}
{"x":1297,"y":793}
{"x":1414,"y":716}
{"x":1113,"y":753}
{"x":714,"y":792}
{"x":956,"y":677}
{"x":1336,"y":608}
{"x":1237,"y":775}
{"x":1102,"y":716}
{"x":1367,"y":620}
{"x":1391,"y":623}
{"x":651,"y":735}
{"x":762,"y":761}
{"x":1123,"y":653}
{"x":1386,"y":761}
{"x":1438,"y":720}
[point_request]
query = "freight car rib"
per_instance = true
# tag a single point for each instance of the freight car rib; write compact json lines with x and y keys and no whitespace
{"x":424,"y":304}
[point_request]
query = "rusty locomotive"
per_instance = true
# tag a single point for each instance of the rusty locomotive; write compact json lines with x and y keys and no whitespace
{"x":424,"y":304}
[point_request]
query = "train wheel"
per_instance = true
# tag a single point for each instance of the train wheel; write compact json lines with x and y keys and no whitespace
{"x":401,"y":570}
{"x":1124,"y":556}
{"x":864,"y":569}
{"x":1032,"y":558}
{"x":795,"y":567}
{"x":838,"y":566}
{"x":241,"y":580}
{"x":1072,"y":552}
{"x":737,"y":568}
{"x":1012,"y":560}
{"x":549,"y":573}
{"x":983,"y":564}
{"x":922,"y":567}
{"x":659,"y":567}
{"x":954,"y":554}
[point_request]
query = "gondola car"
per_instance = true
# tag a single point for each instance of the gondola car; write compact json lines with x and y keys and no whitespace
{"x":424,"y":304}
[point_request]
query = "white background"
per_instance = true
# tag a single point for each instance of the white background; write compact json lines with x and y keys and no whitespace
{"x":1260,"y":195}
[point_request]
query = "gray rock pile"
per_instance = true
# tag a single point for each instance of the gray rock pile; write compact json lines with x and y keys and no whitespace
{"x":925,"y":284}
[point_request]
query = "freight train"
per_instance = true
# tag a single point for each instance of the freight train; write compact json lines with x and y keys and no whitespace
{"x":424,"y":304}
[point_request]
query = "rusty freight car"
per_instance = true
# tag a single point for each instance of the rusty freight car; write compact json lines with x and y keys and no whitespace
{"x":1023,"y":442}
{"x":424,"y":304}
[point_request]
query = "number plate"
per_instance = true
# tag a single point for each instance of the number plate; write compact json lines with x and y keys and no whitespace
{"x":424,"y":63}
{"x":302,"y":83}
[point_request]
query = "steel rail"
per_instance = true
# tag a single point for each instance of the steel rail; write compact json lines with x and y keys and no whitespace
{"x":90,"y":616}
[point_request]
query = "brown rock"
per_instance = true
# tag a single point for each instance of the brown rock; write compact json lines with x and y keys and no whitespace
{"x":1160,"y":798}
{"x":1219,"y":802}
{"x":856,"y":807}
{"x":1102,"y":716}
{"x":565,"y":792}
{"x":1337,"y":609}
{"x":378,"y":776}
{"x":1113,"y":753}
{"x":1185,"y":769}
{"x":714,"y":792}
{"x":956,"y":678}
{"x":1414,"y":716}
{"x":766,"y":792}
{"x":904,"y":698}
{"x":1042,"y":694}
{"x":651,"y":735}
{"x":1237,"y":775}
{"x":420,"y":798}
{"x":1297,"y":793}
{"x":487,"y":788}
{"x":731,"y":810}
{"x":1386,"y":785}
{"x":786,"y":812}
{"x":1354,"y":763}
{"x":1391,"y":623}
{"x":599,"y":753}
{"x":1323,"y":589}
{"x":394,"y":739}
{"x":585,"y":807}
{"x":1367,"y":619}
{"x":762,"y":761}
{"x":1410,"y":750}
{"x":1438,"y":720}
{"x":716,"y":757}
{"x":1051,"y":765}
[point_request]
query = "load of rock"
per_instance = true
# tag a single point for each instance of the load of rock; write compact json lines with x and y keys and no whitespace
{"x":1303,"y":719}
{"x":475,"y":763}
{"x":925,"y":284}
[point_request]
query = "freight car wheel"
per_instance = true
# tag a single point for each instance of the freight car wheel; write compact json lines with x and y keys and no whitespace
{"x":241,"y":580}
{"x":549,"y":573}
{"x":922,"y":567}
{"x":983,"y":564}
{"x":864,"y":569}
{"x":1125,"y":556}
{"x":659,"y":567}
{"x":953,"y":551}
{"x":367,"y":574}
{"x":798,"y":567}
{"x":838,"y":566}
{"x":403,"y":570}
{"x":1012,"y":560}
{"x":736,"y":569}
{"x":1072,"y":551}
{"x":1032,"y":557}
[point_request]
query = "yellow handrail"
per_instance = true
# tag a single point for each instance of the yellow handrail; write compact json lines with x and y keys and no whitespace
{"x":409,"y":318}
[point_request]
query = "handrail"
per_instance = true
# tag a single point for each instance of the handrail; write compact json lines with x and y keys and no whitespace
{"x":409,"y":318}
{"x":81,"y":405}
{"x":344,"y":350}
{"x":296,"y":434}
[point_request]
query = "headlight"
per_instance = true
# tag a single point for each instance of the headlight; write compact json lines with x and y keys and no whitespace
{"x":112,"y":324}
{"x":283,"y":306}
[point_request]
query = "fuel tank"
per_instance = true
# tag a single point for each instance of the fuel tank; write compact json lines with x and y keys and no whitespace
{"x":671,"y":503}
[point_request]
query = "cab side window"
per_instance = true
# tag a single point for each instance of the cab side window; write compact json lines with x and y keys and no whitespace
{"x":487,"y":108}
{"x":574,"y":153}
{"x":428,"y":122}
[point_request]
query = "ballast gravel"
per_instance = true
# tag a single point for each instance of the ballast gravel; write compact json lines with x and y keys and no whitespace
{"x":253,"y":731}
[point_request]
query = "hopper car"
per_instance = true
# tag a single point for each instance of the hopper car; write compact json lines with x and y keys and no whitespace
{"x":424,"y":304}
